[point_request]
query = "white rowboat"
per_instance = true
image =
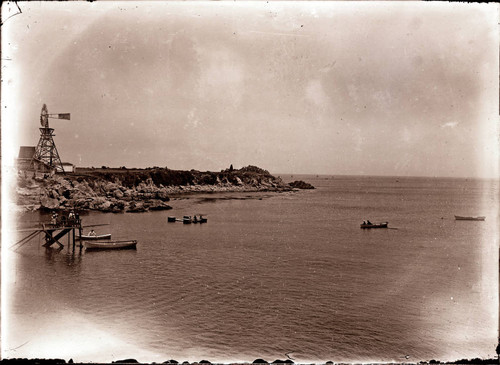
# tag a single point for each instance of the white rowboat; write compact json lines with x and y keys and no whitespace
{"x":97,"y":237}
{"x":110,"y":245}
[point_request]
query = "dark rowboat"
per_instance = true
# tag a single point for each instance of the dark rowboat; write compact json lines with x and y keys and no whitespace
{"x":97,"y":237}
{"x":460,"y":218}
{"x":200,"y":219}
{"x":111,"y":245}
{"x":188,"y":220}
{"x":375,"y":225}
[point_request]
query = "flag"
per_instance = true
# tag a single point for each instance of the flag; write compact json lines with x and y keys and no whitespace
{"x":64,"y":116}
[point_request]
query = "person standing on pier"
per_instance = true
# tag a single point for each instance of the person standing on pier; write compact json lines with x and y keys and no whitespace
{"x":54,"y":218}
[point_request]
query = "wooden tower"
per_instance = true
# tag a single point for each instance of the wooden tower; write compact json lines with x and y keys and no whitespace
{"x":46,"y":151}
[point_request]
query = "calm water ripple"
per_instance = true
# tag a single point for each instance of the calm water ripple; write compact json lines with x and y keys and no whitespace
{"x":289,"y":272}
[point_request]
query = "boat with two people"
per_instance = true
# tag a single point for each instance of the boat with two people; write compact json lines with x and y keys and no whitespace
{"x":200,"y":219}
{"x":368,"y":224}
{"x":461,"y":218}
{"x":110,"y":245}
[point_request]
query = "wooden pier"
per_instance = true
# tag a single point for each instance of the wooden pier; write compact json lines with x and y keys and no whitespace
{"x":54,"y":232}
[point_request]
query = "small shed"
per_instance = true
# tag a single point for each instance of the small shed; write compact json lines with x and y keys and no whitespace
{"x":25,"y":158}
{"x":26,"y":152}
{"x":68,"y":167}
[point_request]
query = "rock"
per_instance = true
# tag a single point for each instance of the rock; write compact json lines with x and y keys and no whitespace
{"x":158,"y":205}
{"x":59,"y":190}
{"x":54,"y":194}
{"x":136,"y":207}
{"x":162,"y":194}
{"x":83,"y":188}
{"x":118,"y":194}
{"x":99,"y":200}
{"x":67,"y":194}
{"x":49,"y":203}
{"x":24,"y":191}
{"x":106,"y":206}
{"x":301,"y":185}
{"x":81,"y":203}
{"x":119,"y":205}
{"x":76,"y":195}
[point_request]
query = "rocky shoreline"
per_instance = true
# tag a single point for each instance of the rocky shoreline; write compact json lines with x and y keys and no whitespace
{"x":127,"y":190}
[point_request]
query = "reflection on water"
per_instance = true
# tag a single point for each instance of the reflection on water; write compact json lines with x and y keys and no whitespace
{"x":67,"y":255}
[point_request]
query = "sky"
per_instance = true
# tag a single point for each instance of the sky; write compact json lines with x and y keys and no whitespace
{"x":342,"y":88}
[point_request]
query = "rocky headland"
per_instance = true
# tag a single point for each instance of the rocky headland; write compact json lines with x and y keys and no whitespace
{"x":298,"y":184}
{"x":138,"y":190}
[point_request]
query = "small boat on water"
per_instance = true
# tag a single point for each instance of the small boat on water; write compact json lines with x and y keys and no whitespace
{"x":96,"y":237}
{"x":374,"y":225}
{"x":460,"y":218}
{"x":188,"y":220}
{"x":200,"y":219}
{"x":111,"y":245}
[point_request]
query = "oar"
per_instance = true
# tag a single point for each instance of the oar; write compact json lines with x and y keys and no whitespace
{"x":26,"y":239}
{"x":96,"y":225}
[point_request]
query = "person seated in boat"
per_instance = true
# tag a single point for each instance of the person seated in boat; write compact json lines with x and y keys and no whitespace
{"x":92,"y":233}
{"x":368,"y":222}
{"x":364,"y":222}
{"x":195,"y":219}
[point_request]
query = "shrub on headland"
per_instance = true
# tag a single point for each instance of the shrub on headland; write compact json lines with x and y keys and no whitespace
{"x":301,"y":185}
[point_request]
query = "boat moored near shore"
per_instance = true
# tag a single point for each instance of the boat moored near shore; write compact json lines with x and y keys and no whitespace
{"x":461,"y":218}
{"x":87,"y":237}
{"x":111,"y":245}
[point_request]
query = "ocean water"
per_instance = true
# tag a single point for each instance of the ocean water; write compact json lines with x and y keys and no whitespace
{"x":272,"y":275}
